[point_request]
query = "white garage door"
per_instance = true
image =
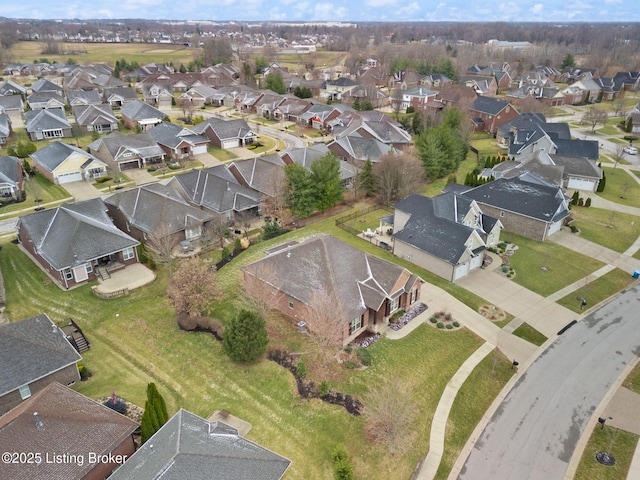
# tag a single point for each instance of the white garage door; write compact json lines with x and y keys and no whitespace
{"x":581,"y":184}
{"x":230,"y":143}
{"x":69,"y":177}
{"x":554,"y":227}
{"x":460,"y":271}
{"x":198,"y":149}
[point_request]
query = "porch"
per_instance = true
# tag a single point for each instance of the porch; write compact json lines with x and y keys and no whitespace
{"x":123,"y":281}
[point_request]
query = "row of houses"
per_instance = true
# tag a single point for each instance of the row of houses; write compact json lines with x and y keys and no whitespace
{"x":56,"y":432}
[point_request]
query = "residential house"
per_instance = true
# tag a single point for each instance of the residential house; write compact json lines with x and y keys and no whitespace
{"x":305,"y":156}
{"x":45,"y":100}
{"x":216,"y":189}
{"x":633,"y":117}
{"x":70,"y":436}
{"x":11,"y":179}
{"x":460,"y":96}
{"x":155,"y":211}
{"x":178,"y":142}
{"x":188,"y":446}
{"x":609,"y":88}
{"x":435,"y":81}
{"x":95,"y":118}
{"x":265,"y":174}
{"x":552,"y":139}
{"x":489,"y":113}
{"x":447,"y":234}
{"x":266,"y":105}
{"x":416,"y":98}
{"x":5,"y":129}
{"x":364,"y":291}
{"x":629,"y":80}
{"x":63,"y":163}
{"x":246,"y":101}
{"x":362,"y":94}
{"x":158,"y":95}
{"x":140,"y":115}
{"x":499,"y":71}
{"x":376,"y":76}
{"x":9,"y":87}
{"x":292,"y":109}
{"x":118,"y":97}
{"x":356,"y":150}
{"x":315,"y":85}
{"x":319,"y":115}
{"x":12,"y":105}
{"x":483,"y":85}
{"x":571,"y":74}
{"x":44,"y":85}
{"x":124,"y":152}
{"x":516,"y":131}
{"x":75,"y":243}
{"x":34,"y":353}
{"x":150,"y":69}
{"x":404,"y":80}
{"x":334,"y":89}
{"x":589,"y":86}
{"x":526,"y":205}
{"x":76,"y":98}
{"x":371,"y":124}
{"x":199,"y":96}
{"x":226,"y":133}
{"x":47,"y":124}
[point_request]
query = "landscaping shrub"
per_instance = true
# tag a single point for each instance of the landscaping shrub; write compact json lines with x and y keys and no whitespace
{"x":174,"y":166}
{"x":348,"y":349}
{"x":342,"y":469}
{"x":456,"y":324}
{"x":151,"y":169}
{"x":245,"y":337}
{"x":440,"y":325}
{"x":350,"y":364}
{"x":505,"y":268}
{"x":433,"y":320}
{"x":323,"y":388}
{"x":449,"y":326}
{"x":365,"y":357}
{"x":587,"y":202}
{"x":103,"y":179}
{"x":225,"y":253}
{"x":301,"y":369}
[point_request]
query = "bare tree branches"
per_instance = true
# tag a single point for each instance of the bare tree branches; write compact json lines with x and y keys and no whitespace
{"x":161,"y":244}
{"x":595,"y":117}
{"x":193,"y":286}
{"x":397,"y":176}
{"x":325,"y":319}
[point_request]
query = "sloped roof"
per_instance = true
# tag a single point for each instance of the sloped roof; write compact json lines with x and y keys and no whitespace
{"x":172,"y":135}
{"x":489,"y":105}
{"x":138,"y":110}
{"x":523,"y":195}
{"x":117,"y":143}
{"x":11,"y":102}
{"x":264,"y":174}
{"x":51,"y":156}
{"x":86,"y":97}
{"x":9,"y":87}
{"x":31,"y":349}
{"x":45,"y":97}
{"x":94,"y":114}
{"x":76,"y":233}
{"x":190,"y":447}
{"x":5,"y":125}
{"x":217,"y":189}
{"x":45,"y":120}
{"x":323,"y":263}
{"x":44,"y":85}
{"x":225,"y":129}
{"x":123,"y":92}
{"x":70,"y":424}
{"x":363,"y":148}
{"x":9,"y":169}
{"x":153,"y":208}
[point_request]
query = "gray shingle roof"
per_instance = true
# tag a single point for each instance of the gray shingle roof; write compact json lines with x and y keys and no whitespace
{"x":11,"y":102}
{"x":51,"y":156}
{"x":9,"y":169}
{"x":31,"y":349}
{"x":152,"y":208}
{"x":142,"y":144}
{"x":94,"y":115}
{"x":5,"y":125}
{"x":264,"y":174}
{"x":489,"y":105}
{"x":71,"y":424}
{"x":225,"y":129}
{"x":189,"y":447}
{"x":138,"y":110}
{"x":362,"y":148}
{"x":44,"y":85}
{"x":74,"y":234}
{"x":46,"y":120}
{"x":83,"y":97}
{"x":172,"y":135}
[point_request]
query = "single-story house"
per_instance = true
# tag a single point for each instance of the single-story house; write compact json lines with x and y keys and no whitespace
{"x":95,"y":118}
{"x":138,"y":114}
{"x":188,"y":446}
{"x":156,"y":211}
{"x":199,"y":95}
{"x":226,"y":133}
{"x":75,"y":243}
{"x":45,"y":101}
{"x":447,"y":234}
{"x":526,"y":204}
{"x":357,"y":150}
{"x":33,"y":353}
{"x":5,"y":129}
{"x":11,"y":178}
{"x":9,"y":87}
{"x":76,"y":98}
{"x":364,"y":290}
{"x":123,"y":152}
{"x":63,"y":163}
{"x":44,"y":85}
{"x":160,"y":95}
{"x":305,"y":156}
{"x":47,"y":124}
{"x":179,"y":142}
{"x":12,"y":105}
{"x":264,"y":174}
{"x":69,"y":435}
{"x":117,"y":97}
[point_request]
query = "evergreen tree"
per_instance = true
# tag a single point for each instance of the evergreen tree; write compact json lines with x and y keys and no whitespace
{"x":574,"y":198}
{"x":275,"y":83}
{"x":299,"y":190}
{"x":245,"y":338}
{"x":366,"y":179}
{"x":568,"y":61}
{"x":325,"y":178}
{"x":155,"y":413}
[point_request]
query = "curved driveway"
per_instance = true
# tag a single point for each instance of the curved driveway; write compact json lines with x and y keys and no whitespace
{"x":535,"y":430}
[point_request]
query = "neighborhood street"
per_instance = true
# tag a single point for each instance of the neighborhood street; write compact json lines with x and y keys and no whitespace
{"x":535,"y":430}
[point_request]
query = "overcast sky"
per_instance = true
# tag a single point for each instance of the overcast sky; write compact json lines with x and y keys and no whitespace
{"x":336,"y":10}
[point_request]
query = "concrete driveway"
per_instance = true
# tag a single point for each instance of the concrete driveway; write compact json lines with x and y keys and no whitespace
{"x":81,"y":190}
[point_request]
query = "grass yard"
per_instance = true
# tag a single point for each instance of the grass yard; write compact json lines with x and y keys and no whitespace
{"x":473,"y":399}
{"x":600,"y":289}
{"x":619,"y":443}
{"x":37,"y":187}
{"x":621,"y":187}
{"x":530,"y":334}
{"x":369,"y":220}
{"x":435,"y":187}
{"x":222,"y":154}
{"x":632,"y":382}
{"x":108,"y":53}
{"x":613,"y":230}
{"x":564,"y":266}
{"x":135,"y":340}
{"x":268,"y":144}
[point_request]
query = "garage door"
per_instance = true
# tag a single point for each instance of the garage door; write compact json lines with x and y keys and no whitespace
{"x":581,"y":184}
{"x":129,"y":165}
{"x":69,"y":177}
{"x":460,"y":271}
{"x":230,"y":143}
{"x":198,"y":149}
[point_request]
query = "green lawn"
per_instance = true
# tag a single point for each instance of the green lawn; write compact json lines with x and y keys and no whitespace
{"x":530,"y":334}
{"x":135,"y":340}
{"x":614,"y":230}
{"x":37,"y":187}
{"x":564,"y":266}
{"x":621,"y":187}
{"x":267,"y":144}
{"x":222,"y":154}
{"x":632,"y":382}
{"x":619,"y":443}
{"x":600,"y":289}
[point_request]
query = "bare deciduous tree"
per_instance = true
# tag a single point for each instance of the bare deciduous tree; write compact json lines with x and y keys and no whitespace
{"x":618,"y":155}
{"x":244,"y":219}
{"x":397,"y":176}
{"x":325,"y":319}
{"x":390,"y":414}
{"x":215,"y":231}
{"x":594,"y":117}
{"x":161,"y":244}
{"x":193,"y":286}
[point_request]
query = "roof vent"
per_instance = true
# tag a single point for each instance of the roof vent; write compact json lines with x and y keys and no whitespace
{"x":39,"y":424}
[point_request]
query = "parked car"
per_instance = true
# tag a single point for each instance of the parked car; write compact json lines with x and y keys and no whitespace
{"x":631,"y":150}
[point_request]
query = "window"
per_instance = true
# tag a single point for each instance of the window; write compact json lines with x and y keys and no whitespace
{"x":128,"y":253}
{"x":53,"y":134}
{"x":355,"y":324}
{"x":502,"y":214}
{"x":191,"y":233}
{"x":25,"y":392}
{"x":68,"y":274}
{"x":290,"y":302}
{"x":89,"y":267}
{"x":413,"y":296}
{"x":393,"y":306}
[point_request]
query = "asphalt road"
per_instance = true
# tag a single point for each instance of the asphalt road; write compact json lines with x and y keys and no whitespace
{"x":534,"y":432}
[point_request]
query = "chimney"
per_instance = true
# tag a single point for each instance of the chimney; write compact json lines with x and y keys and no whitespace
{"x":39,"y":424}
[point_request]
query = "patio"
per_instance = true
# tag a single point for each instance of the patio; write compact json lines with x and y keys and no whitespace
{"x":123,"y":281}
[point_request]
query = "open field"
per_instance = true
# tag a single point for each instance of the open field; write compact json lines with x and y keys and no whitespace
{"x":143,"y":53}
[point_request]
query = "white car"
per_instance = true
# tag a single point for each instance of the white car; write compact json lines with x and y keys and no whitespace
{"x":631,"y":150}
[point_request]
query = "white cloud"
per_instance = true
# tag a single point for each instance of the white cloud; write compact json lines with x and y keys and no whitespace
{"x":381,"y":3}
{"x":611,"y":2}
{"x":328,"y":11}
{"x":537,"y":9}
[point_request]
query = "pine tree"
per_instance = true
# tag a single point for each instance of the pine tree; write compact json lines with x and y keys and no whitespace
{"x":245,"y":338}
{"x":574,"y":198}
{"x":366,"y":179}
{"x":155,"y":413}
